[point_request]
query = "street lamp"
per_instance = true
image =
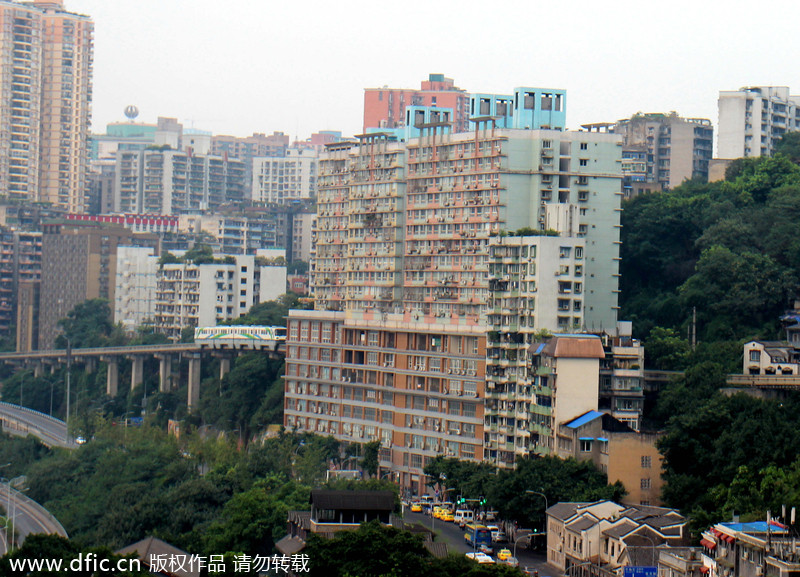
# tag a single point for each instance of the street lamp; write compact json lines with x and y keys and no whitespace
{"x":546,"y":507}
{"x":652,"y":548}
{"x":571,"y":570}
{"x":517,"y":540}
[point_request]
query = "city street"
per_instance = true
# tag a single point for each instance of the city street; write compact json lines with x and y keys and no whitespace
{"x":451,"y":534}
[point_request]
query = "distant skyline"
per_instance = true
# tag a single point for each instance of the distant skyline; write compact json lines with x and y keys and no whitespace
{"x":244,"y":66}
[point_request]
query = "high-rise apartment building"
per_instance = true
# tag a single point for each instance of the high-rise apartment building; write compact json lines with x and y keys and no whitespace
{"x":79,"y":262}
{"x":386,"y":107}
{"x":202,"y":295}
{"x":249,"y":147}
{"x":135,"y":286}
{"x":285,"y":179}
{"x":20,"y":262}
{"x":753,"y":119}
{"x":663,"y":149}
{"x":45,"y":95}
{"x":170,"y":182}
{"x":416,"y":388}
{"x":406,"y":227}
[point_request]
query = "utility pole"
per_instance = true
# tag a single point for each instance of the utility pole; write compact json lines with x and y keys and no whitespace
{"x":69,"y":367}
{"x":694,"y":328}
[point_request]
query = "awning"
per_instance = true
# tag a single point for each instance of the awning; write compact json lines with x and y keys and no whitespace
{"x":708,"y":544}
{"x":704,"y":569}
{"x":728,"y":538}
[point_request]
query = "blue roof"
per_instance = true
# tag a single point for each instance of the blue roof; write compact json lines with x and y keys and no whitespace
{"x":586,"y":439}
{"x":602,"y":439}
{"x":754,"y":527}
{"x":583,"y":419}
{"x":539,"y":348}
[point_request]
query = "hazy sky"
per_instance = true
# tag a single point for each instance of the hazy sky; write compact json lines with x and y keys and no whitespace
{"x":243,"y":66}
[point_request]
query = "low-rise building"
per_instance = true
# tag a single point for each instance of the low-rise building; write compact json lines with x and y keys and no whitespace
{"x":598,"y":534}
{"x":619,"y":451}
{"x":757,"y":549}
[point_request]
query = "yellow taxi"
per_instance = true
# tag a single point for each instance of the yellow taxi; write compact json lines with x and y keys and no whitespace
{"x":503,"y":554}
{"x":416,"y":507}
{"x":447,"y":516}
{"x":437,"y":510}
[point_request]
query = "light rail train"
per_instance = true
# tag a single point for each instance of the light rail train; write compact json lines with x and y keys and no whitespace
{"x":241,"y":337}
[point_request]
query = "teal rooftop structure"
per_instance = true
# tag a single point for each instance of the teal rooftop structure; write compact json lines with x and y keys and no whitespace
{"x":527,"y":108}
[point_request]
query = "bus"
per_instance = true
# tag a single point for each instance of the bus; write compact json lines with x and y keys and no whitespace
{"x":476,"y":535}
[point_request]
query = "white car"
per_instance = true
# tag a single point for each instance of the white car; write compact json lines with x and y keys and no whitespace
{"x":479,"y":557}
{"x":498,"y":536}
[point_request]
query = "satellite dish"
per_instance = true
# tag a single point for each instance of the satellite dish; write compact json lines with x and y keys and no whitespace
{"x":131,"y":112}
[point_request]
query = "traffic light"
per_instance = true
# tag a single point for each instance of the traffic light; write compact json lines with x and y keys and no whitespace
{"x":483,"y":501}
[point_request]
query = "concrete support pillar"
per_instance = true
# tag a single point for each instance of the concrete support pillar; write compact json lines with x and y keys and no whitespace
{"x":53,"y":369}
{"x":224,"y":367}
{"x":194,"y":381}
{"x":164,"y":373}
{"x":38,"y":369}
{"x":112,"y":376}
{"x":90,"y":365}
{"x":137,"y":371}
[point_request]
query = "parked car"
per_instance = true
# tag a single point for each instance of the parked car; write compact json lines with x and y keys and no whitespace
{"x":503,"y":554}
{"x":512,"y":561}
{"x":479,"y":557}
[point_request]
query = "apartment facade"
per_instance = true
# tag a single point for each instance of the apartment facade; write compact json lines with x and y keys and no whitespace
{"x":192,"y":295}
{"x":622,"y":376}
{"x":79,"y":262}
{"x":432,"y":205}
{"x":535,"y":284}
{"x":171,"y":182}
{"x":286,"y":178}
{"x":135,"y":287}
{"x":239,"y":232}
{"x":385,"y":108}
{"x":753,"y":119}
{"x":414,"y":387}
{"x":663,"y":150}
{"x":616,"y":449}
{"x":20,"y":262}
{"x":45,"y":94}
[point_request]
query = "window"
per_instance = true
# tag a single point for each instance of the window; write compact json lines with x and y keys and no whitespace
{"x":645,"y":483}
{"x":646,"y":462}
{"x":755,"y":356}
{"x":584,"y":162}
{"x":584,"y":146}
{"x":586,"y":445}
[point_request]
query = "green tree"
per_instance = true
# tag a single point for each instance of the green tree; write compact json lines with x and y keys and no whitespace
{"x":89,"y":325}
{"x":370,"y":463}
{"x":666,"y":350}
{"x":199,"y":254}
{"x":789,"y":145}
